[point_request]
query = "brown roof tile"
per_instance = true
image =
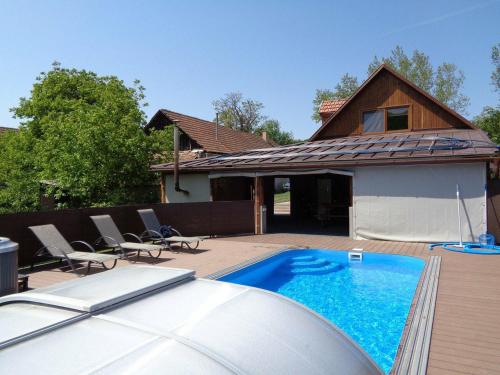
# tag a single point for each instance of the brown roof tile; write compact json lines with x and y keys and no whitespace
{"x":4,"y":129}
{"x":222,"y":141}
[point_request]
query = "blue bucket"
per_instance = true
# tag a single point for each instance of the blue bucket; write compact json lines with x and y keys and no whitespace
{"x":487,"y":239}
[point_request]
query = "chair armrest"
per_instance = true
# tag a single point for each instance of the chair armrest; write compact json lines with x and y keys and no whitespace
{"x":86,"y":244}
{"x":115,"y":242}
{"x":151,"y":234}
{"x":135,"y":236}
{"x":176,"y":231}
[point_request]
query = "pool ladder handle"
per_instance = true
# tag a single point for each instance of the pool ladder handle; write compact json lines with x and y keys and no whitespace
{"x":355,"y":254}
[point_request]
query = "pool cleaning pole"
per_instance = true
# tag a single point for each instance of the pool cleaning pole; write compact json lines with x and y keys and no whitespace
{"x":459,"y":219}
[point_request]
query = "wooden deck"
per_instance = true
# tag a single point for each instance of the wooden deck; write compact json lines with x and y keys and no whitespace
{"x":466,"y":329}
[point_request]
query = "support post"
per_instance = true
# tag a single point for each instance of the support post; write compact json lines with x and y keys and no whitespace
{"x":258,"y":202}
{"x":162,"y":188}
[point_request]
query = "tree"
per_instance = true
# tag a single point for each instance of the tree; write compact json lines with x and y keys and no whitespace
{"x":495,"y":75}
{"x":19,"y":190}
{"x":239,"y":113}
{"x":273,"y":130}
{"x":344,"y":89}
{"x":489,"y":121}
{"x":82,"y":133}
{"x":445,"y":83}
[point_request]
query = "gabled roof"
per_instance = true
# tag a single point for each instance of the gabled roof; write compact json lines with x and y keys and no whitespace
{"x":388,"y":69}
{"x":426,"y":146}
{"x":220,"y":140}
{"x":331,"y":106}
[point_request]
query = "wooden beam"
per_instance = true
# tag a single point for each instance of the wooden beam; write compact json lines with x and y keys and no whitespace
{"x":163,"y":198}
{"x":258,"y":202}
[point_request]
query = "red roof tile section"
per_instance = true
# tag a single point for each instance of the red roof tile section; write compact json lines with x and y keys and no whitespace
{"x":331,"y":106}
{"x":222,"y":141}
{"x":452,"y":145}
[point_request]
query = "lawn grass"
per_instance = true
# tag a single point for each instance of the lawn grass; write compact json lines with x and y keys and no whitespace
{"x":282,"y":197}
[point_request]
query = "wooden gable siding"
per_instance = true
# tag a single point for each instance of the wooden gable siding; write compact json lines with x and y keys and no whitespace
{"x":386,"y":90}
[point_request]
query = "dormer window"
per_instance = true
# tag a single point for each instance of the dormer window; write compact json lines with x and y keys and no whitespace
{"x":373,"y":121}
{"x":397,"y":118}
{"x":385,"y":120}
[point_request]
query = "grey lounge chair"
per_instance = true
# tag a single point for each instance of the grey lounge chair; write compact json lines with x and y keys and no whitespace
{"x":56,"y":245}
{"x":153,"y":231}
{"x":113,"y":238}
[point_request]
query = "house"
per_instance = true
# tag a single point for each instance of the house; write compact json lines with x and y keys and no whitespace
{"x":385,"y":164}
{"x":201,"y":138}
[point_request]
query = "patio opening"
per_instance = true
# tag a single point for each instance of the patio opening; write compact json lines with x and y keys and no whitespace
{"x":309,"y":203}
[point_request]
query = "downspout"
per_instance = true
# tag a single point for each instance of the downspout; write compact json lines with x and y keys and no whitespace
{"x":176,"y":161}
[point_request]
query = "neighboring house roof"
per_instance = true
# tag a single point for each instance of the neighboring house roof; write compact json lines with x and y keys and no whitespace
{"x":331,"y":106}
{"x":429,"y":146}
{"x":386,"y":68}
{"x":4,"y":129}
{"x":220,"y":140}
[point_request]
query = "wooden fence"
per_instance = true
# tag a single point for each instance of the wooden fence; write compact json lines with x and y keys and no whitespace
{"x":204,"y":218}
{"x":493,"y":208}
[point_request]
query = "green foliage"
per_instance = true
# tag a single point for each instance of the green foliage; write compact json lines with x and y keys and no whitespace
{"x":239,"y":113}
{"x":273,"y":129}
{"x":445,"y":83}
{"x":344,"y":89}
{"x":495,"y":75}
{"x":489,"y":121}
{"x":81,"y":133}
{"x":19,"y":189}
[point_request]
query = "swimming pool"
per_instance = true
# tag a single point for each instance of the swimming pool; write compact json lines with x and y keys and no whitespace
{"x":369,"y":299}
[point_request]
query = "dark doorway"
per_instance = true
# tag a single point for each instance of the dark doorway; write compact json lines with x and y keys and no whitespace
{"x":318,"y":204}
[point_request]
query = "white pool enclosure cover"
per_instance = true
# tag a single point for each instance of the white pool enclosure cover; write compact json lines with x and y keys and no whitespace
{"x":144,"y":319}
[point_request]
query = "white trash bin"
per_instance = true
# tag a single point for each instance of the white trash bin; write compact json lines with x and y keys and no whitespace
{"x":8,"y":266}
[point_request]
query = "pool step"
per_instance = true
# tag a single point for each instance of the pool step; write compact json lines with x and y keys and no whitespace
{"x":328,"y":268}
{"x":303,"y":258}
{"x":309,"y":263}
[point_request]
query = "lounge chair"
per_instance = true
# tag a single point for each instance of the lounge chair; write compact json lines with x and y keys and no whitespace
{"x":56,"y":245}
{"x":113,"y":238}
{"x":165,"y":234}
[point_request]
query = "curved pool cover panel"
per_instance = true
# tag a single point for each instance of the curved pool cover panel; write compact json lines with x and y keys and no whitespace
{"x":155,"y":320}
{"x":468,"y":248}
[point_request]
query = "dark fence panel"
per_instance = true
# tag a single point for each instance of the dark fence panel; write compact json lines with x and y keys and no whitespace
{"x":204,"y":219}
{"x":493,"y":208}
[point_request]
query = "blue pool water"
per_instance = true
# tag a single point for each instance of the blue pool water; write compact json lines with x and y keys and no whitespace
{"x":369,"y":300}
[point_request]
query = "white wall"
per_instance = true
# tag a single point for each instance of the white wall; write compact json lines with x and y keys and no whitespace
{"x":197,"y":184}
{"x":418,"y":203}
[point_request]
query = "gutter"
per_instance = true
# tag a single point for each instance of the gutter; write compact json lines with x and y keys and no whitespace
{"x":176,"y":161}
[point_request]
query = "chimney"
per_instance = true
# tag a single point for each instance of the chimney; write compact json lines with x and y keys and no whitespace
{"x":264,"y":136}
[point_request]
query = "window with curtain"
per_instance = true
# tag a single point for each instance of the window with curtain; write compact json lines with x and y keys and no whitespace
{"x":373,"y":121}
{"x":397,"y":118}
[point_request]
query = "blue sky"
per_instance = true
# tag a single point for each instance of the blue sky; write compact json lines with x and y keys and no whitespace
{"x":278,"y":52}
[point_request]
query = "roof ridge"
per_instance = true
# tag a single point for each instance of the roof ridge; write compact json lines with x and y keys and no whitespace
{"x":183,"y":114}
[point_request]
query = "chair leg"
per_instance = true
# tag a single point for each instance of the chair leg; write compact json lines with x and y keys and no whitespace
{"x":88,"y":268}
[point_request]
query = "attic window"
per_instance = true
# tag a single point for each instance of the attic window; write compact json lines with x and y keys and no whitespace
{"x":373,"y":121}
{"x":397,"y":118}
